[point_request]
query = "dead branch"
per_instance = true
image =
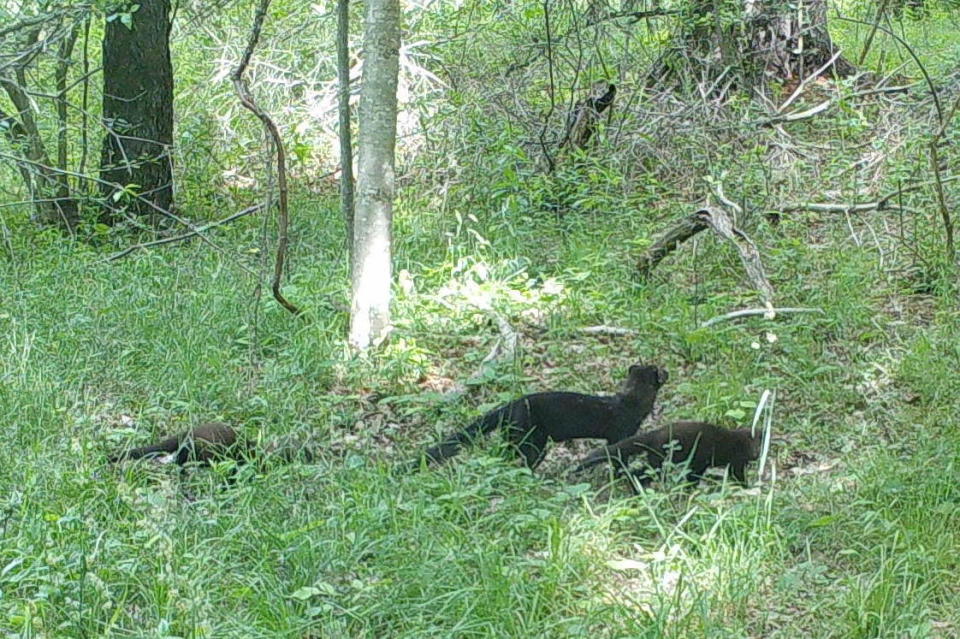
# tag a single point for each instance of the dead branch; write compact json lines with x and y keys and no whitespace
{"x":585,"y":114}
{"x":939,"y":180}
{"x":855,"y":207}
{"x":504,"y":349}
{"x":795,"y":116}
{"x":185,"y":236}
{"x":718,"y":221}
{"x":749,"y":255}
{"x":666,"y":243}
{"x":37,"y":20}
{"x":602,"y":329}
{"x":247,"y":101}
{"x":769,"y":313}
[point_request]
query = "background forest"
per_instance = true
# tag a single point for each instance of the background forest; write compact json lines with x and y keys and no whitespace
{"x":521,"y":261}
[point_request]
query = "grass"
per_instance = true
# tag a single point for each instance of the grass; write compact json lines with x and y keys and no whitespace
{"x":97,"y":354}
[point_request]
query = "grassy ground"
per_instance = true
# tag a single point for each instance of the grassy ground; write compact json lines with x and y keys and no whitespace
{"x":852,"y":532}
{"x":855,"y":535}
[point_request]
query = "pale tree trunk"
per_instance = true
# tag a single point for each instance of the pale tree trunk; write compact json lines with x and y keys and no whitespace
{"x":371,"y":273}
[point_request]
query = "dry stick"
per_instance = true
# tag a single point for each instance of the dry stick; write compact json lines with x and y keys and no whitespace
{"x":941,"y":197}
{"x":185,"y":236}
{"x":721,"y":224}
{"x":830,"y":207}
{"x":603,"y":329}
{"x":34,"y":21}
{"x":806,"y":80}
{"x":665,"y":244}
{"x":147,"y":201}
{"x":84,"y":103}
{"x":247,"y":100}
{"x":916,"y":60}
{"x":717,"y":187}
{"x":546,"y":119}
{"x":881,"y":9}
{"x":66,"y":52}
{"x":770,"y":313}
{"x":795,"y":116}
{"x":749,"y":255}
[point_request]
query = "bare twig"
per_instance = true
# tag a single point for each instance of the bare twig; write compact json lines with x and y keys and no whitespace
{"x":769,"y":313}
{"x":939,"y":180}
{"x":546,"y":118}
{"x":602,"y":329}
{"x":63,"y":62}
{"x":140,"y":197}
{"x":717,"y":186}
{"x":840,"y":207}
{"x":916,"y":59}
{"x":806,"y":80}
{"x":247,"y":100}
{"x":185,"y":236}
{"x":666,"y":243}
{"x":881,"y":10}
{"x":749,"y":255}
{"x":86,"y":94}
{"x":794,"y":116}
{"x":37,"y":20}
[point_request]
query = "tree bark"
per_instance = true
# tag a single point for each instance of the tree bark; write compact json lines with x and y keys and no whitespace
{"x":773,"y":39}
{"x":138,"y":112}
{"x":343,"y":100}
{"x":52,"y":202}
{"x":371,"y":273}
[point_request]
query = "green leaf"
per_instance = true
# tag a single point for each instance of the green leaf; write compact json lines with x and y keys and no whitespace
{"x":821,"y":522}
{"x":305,"y":593}
{"x":735,"y":413}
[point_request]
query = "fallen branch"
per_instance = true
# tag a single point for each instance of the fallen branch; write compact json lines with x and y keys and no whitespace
{"x":795,"y":116}
{"x":665,"y":244}
{"x":749,"y":255}
{"x":185,"y":236}
{"x":876,"y":205}
{"x":813,"y":76}
{"x":717,"y":220}
{"x":769,"y":313}
{"x":608,"y":330}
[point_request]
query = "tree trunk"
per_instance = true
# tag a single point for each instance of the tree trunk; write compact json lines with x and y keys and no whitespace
{"x":371,"y":273}
{"x":48,"y":189}
{"x":138,"y":112}
{"x":343,"y":108}
{"x":773,"y":39}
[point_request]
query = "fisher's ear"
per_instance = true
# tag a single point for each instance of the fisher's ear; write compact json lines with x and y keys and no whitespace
{"x":662,"y":375}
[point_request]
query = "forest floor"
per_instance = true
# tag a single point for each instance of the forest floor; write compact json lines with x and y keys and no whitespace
{"x":852,"y":532}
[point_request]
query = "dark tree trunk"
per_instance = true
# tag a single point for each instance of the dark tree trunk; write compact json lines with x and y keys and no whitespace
{"x":773,"y":39}
{"x":343,"y":109}
{"x":138,"y":112}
